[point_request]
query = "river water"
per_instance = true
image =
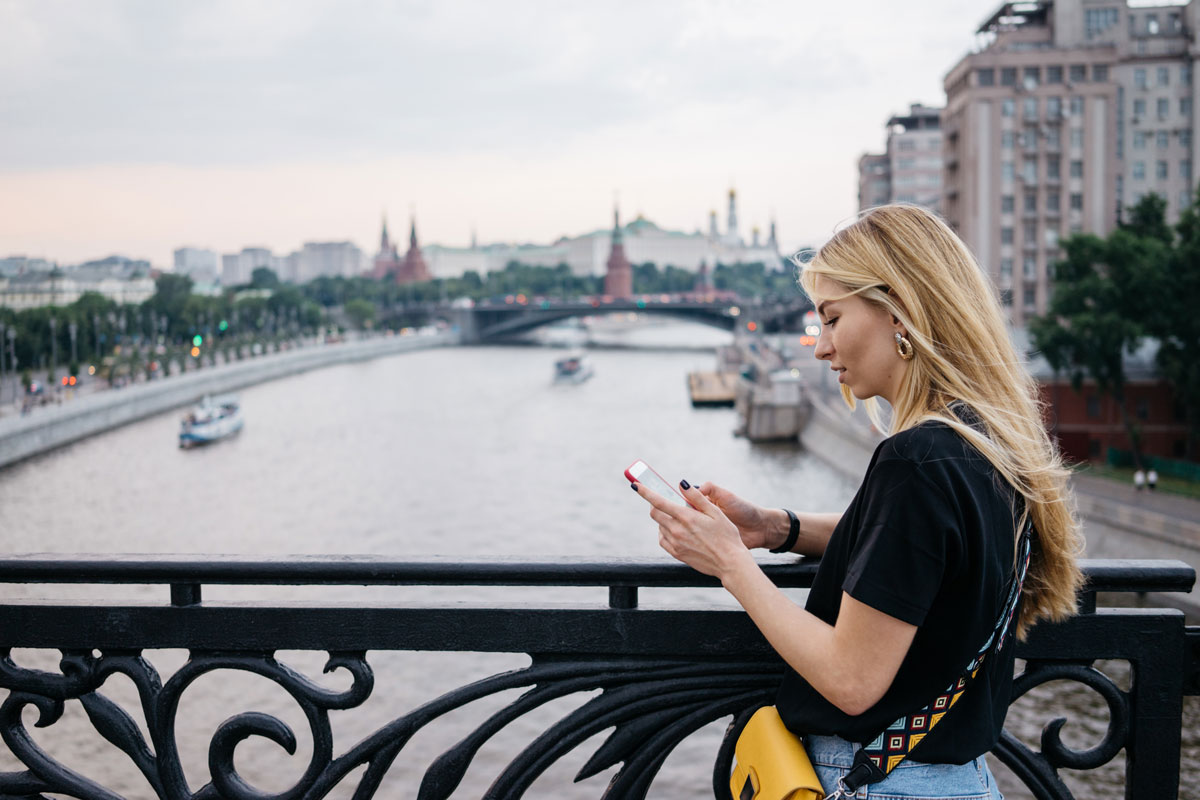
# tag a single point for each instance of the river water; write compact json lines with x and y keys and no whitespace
{"x":450,"y":451}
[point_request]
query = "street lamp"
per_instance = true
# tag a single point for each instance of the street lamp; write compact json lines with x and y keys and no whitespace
{"x":12,"y":358}
{"x":53,"y":351}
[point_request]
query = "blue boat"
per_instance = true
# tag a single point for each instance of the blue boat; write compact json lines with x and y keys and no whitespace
{"x":210,"y":420}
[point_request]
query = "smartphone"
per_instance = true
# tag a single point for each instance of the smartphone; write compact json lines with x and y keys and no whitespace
{"x":640,"y":472}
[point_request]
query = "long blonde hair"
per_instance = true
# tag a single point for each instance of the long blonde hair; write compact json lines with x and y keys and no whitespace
{"x":907,"y":261}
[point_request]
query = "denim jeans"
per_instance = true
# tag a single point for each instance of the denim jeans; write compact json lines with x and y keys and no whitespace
{"x":910,"y":780}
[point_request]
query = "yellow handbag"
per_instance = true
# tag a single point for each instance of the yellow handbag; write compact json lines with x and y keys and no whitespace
{"x":770,"y":762}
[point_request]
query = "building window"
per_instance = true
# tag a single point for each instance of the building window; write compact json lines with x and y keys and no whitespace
{"x":1163,"y":75}
{"x":1006,"y":170}
{"x":1174,"y":22}
{"x":1053,"y":107}
{"x":1160,"y":140}
{"x":1029,"y":267}
{"x":1052,"y":201}
{"x":906,"y":144}
{"x":1164,"y":107}
{"x":1052,"y":167}
{"x":1030,"y":298}
{"x":1076,"y":201}
{"x":1139,"y":78}
{"x":1053,"y":139}
{"x":1139,"y":109}
{"x":1006,"y":297}
{"x":1139,"y":170}
{"x":1185,"y":170}
{"x":1160,"y":170}
{"x":1185,"y":74}
{"x":1093,"y":406}
{"x":1031,"y":108}
{"x":1031,"y":202}
{"x":1008,"y":76}
{"x":1139,"y":140}
{"x":1185,"y":199}
{"x":1076,"y":168}
{"x":1078,"y":73}
{"x":905,"y":163}
{"x":1152,"y":24}
{"x":1008,"y":107}
{"x":1076,"y":106}
{"x":1031,"y":77}
{"x":1077,"y":138}
{"x":1100,"y":73}
{"x":1006,"y":139}
{"x":1006,"y":204}
{"x":1052,"y":238}
{"x":1006,"y":236}
{"x":1006,"y":269}
{"x":1185,"y":106}
{"x":1054,"y":74}
{"x":1097,"y":20}
{"x":985,"y":77}
{"x":1029,"y":170}
{"x":1185,"y":137}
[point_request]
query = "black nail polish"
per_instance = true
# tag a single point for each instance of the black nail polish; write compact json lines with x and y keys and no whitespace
{"x":633,"y":486}
{"x":685,"y":484}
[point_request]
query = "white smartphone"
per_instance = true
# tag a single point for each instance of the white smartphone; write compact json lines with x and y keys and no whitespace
{"x":640,"y":472}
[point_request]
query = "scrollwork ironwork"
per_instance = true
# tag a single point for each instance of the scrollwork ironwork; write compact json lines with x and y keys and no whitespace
{"x":649,"y":705}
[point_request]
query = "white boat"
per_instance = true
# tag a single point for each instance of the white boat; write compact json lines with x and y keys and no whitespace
{"x":211,"y":419}
{"x":574,"y":368}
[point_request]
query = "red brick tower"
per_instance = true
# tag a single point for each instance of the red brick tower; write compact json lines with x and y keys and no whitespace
{"x":387,"y":260}
{"x":618,"y":281}
{"x":413,"y":268}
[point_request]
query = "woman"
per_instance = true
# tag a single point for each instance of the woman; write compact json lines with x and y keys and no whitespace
{"x":914,"y":573}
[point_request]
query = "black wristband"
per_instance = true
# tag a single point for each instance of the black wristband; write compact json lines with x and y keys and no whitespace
{"x":793,"y":533}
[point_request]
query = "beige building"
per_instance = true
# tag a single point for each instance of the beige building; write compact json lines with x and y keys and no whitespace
{"x":910,"y":171}
{"x":1068,"y":112}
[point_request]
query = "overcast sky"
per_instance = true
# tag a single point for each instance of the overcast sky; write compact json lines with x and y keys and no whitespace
{"x":135,"y":127}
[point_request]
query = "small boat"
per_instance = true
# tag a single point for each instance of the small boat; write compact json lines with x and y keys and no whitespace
{"x":211,"y":419}
{"x":574,"y":368}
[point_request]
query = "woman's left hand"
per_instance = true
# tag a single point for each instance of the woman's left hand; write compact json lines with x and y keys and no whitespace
{"x":700,"y":536}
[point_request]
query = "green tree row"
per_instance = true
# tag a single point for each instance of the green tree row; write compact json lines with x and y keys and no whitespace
{"x":1112,"y":293}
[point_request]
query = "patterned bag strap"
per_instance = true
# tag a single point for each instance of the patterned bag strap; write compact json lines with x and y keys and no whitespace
{"x":876,"y":760}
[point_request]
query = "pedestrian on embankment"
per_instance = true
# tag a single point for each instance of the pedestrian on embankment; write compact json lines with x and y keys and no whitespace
{"x":916,"y":573}
{"x":1139,"y":479}
{"x":1151,"y":479}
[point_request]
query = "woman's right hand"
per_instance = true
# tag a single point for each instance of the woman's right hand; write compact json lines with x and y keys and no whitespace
{"x":754,"y":523}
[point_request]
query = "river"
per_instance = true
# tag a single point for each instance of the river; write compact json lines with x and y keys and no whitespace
{"x":469,"y":451}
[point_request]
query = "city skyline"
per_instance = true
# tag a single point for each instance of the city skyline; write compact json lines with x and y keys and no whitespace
{"x":135,"y":129}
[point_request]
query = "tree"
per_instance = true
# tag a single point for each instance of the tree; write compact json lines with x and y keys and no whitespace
{"x":1099,"y":304}
{"x":264,"y":278}
{"x":1175,"y":321}
{"x":361,"y":313}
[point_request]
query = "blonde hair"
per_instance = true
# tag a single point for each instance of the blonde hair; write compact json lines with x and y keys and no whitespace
{"x":906,"y":260}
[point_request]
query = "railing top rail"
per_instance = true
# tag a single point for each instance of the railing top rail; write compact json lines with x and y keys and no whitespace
{"x":1123,"y":575}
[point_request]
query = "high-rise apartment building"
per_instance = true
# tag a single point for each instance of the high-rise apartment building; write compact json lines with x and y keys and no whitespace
{"x":910,"y":171}
{"x":1070,"y":111}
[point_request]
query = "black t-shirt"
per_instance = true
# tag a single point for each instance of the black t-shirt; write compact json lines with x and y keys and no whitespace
{"x":928,"y":539}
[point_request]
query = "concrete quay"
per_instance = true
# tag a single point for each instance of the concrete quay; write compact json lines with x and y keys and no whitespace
{"x":49,"y":427}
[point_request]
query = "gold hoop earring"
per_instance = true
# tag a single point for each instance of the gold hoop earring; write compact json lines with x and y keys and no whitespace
{"x":904,"y":347}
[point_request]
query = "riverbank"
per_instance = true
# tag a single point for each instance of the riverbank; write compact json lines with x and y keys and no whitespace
{"x":51,"y":427}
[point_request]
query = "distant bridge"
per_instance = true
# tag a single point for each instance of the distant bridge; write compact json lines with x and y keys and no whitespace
{"x":490,"y":322}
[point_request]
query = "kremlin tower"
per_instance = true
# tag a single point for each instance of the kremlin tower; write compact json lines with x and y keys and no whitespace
{"x":618,"y":281}
{"x":410,"y":269}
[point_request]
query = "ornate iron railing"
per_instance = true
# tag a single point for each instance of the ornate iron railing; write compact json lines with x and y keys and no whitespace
{"x":654,"y":676}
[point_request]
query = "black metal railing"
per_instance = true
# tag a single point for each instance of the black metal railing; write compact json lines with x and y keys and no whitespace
{"x":651,"y":676}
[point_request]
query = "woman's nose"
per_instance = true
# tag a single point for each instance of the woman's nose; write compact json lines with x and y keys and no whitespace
{"x":824,"y":349}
